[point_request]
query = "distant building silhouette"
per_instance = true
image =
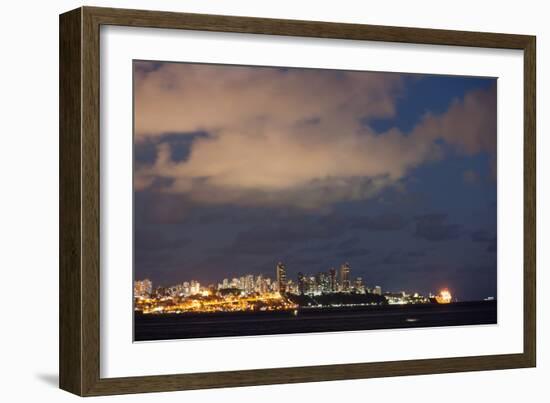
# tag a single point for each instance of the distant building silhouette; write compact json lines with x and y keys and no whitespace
{"x":333,"y":280}
{"x":281,"y":277}
{"x":301,"y":284}
{"x":345,"y":282}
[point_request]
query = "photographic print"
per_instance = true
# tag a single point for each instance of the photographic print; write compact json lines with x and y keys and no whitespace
{"x":274,"y":200}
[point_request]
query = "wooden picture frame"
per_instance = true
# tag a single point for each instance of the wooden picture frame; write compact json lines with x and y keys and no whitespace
{"x":79,"y":315}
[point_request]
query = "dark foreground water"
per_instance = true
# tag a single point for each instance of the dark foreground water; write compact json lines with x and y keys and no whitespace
{"x":185,"y":326}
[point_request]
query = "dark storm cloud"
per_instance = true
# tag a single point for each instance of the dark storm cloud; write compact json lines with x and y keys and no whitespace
{"x":245,"y":244}
{"x":480,"y":236}
{"x":143,"y":67}
{"x":349,"y":242}
{"x":351,"y":253}
{"x":145,"y":153}
{"x":417,"y":253}
{"x":159,"y":240}
{"x":308,"y":262}
{"x":283,"y":234}
{"x":382,"y":222}
{"x":160,"y":208}
{"x":471,"y":177}
{"x":396,"y":257}
{"x":146,"y":150}
{"x":485,"y":237}
{"x":434,"y":227}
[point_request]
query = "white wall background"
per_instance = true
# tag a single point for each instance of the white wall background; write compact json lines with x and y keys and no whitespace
{"x":29,"y":197}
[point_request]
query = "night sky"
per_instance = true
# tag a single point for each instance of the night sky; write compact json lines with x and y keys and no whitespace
{"x":237,"y":168}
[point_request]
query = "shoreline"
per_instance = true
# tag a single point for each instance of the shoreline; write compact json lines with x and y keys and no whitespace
{"x":149,"y":327}
{"x":324,"y":308}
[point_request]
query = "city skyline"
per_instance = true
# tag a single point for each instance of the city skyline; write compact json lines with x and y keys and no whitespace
{"x":332,"y":281}
{"x":331,"y":290}
{"x":237,"y":168}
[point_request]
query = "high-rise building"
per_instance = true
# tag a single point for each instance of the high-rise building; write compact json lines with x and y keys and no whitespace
{"x":301,"y":283}
{"x":249,"y":286}
{"x":292,"y":287}
{"x":322,"y":282}
{"x":311,"y":285}
{"x":258,"y":283}
{"x":261,"y":284}
{"x":195,"y":287}
{"x":143,"y":288}
{"x":333,"y":281}
{"x":345,"y":282}
{"x":377,"y":290}
{"x":358,"y":285}
{"x":185,"y":288}
{"x":281,"y":277}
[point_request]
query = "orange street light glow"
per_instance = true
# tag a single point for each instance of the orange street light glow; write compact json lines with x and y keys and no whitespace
{"x":444,"y":297}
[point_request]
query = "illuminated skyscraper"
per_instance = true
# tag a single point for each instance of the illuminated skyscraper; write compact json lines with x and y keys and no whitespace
{"x":143,"y":288}
{"x":377,"y":290}
{"x":322,"y":283}
{"x":358,"y":285}
{"x":249,"y":285}
{"x":195,"y":287}
{"x":281,"y":277}
{"x":292,"y":287}
{"x":301,"y":283}
{"x":333,"y":281}
{"x":345,"y":277}
{"x":186,"y":288}
{"x":311,"y":285}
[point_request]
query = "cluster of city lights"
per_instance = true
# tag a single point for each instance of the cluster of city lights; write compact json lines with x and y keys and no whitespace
{"x":261,"y":293}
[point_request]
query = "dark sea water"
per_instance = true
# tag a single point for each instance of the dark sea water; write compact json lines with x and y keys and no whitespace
{"x":185,"y":326}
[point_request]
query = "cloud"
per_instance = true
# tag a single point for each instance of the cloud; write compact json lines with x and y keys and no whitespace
{"x":179,"y":97}
{"x":153,"y":208}
{"x":434,"y":227}
{"x":382,"y":222}
{"x":290,"y":137}
{"x":396,"y":257}
{"x":281,"y":235}
{"x":480,"y":236}
{"x":349,"y":242}
{"x":470,"y":124}
{"x":483,"y":236}
{"x":416,"y":253}
{"x":157,"y":240}
{"x":354,"y":252}
{"x":470,"y":176}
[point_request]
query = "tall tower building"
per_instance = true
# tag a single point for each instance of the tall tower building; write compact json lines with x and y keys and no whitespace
{"x":143,"y":288}
{"x":301,"y":284}
{"x":322,"y":281}
{"x":345,"y":277}
{"x":332,"y":280}
{"x":281,"y":277}
{"x":358,"y":286}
